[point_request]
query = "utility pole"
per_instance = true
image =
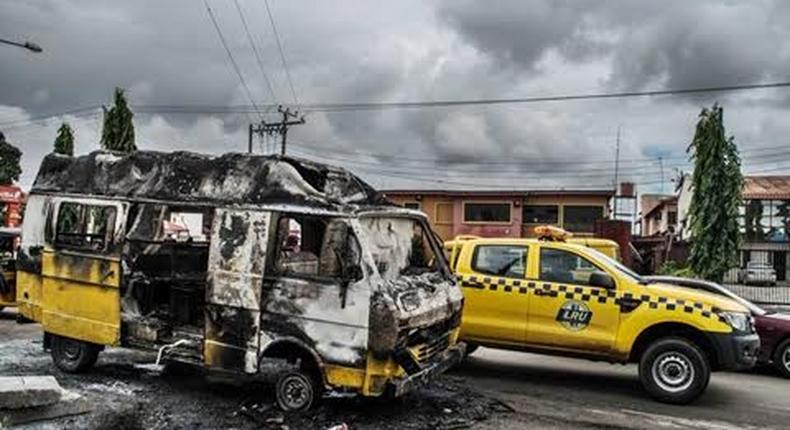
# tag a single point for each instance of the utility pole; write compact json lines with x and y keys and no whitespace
{"x":289,"y":119}
{"x":661,"y":167}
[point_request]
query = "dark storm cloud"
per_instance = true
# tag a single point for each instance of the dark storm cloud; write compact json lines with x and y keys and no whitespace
{"x":355,"y":51}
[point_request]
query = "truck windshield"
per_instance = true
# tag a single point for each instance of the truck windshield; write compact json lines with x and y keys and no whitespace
{"x":402,"y":246}
{"x":620,"y":267}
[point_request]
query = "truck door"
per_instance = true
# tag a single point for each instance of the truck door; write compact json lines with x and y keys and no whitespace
{"x":567,"y":313}
{"x":236,"y":267}
{"x":311,"y":294}
{"x":496,"y":294}
{"x":81,"y":271}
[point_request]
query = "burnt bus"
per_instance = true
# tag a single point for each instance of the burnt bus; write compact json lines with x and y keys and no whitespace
{"x":267,"y":266}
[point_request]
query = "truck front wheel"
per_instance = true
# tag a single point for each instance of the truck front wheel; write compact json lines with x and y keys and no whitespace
{"x":73,"y":356}
{"x":674,"y":370}
{"x":782,"y":358}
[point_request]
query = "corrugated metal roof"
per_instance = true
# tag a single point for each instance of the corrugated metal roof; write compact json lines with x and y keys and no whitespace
{"x":766,"y":187}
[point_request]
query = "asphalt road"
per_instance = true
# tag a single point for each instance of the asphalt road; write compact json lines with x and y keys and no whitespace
{"x":571,"y":393}
{"x":542,"y":392}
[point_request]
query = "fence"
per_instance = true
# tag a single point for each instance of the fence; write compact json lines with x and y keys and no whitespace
{"x":765,"y":295}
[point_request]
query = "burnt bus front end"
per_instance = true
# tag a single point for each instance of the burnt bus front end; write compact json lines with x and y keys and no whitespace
{"x":415,"y":306}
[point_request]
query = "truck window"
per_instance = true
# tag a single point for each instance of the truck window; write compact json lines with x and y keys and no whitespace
{"x":401,"y":246}
{"x":557,"y":265}
{"x":84,"y":227}
{"x":310,"y":246}
{"x":500,"y":260}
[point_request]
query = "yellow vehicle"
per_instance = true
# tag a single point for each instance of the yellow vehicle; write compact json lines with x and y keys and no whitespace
{"x":554,"y":297}
{"x":268,"y":267}
{"x":9,"y":237}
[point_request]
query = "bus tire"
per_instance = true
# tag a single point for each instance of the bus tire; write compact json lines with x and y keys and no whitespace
{"x":73,"y":356}
{"x":296,"y":390}
{"x":674,"y":370}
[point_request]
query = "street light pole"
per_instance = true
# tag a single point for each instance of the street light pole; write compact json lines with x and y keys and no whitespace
{"x":30,"y":46}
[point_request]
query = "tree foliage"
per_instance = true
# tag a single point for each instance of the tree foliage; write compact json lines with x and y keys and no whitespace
{"x":9,"y":162}
{"x":64,"y":142}
{"x":717,"y":182}
{"x":118,"y":131}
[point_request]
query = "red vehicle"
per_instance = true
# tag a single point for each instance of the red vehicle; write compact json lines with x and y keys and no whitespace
{"x":11,"y":199}
{"x":772,"y":327}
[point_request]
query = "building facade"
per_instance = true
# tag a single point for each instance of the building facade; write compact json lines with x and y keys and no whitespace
{"x":659,"y":214}
{"x":764,"y":220}
{"x":507,"y":213}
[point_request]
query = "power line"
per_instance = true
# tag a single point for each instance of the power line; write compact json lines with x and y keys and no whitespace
{"x":282,"y":53}
{"x":255,"y":50}
{"x":230,"y":56}
{"x":343,"y":107}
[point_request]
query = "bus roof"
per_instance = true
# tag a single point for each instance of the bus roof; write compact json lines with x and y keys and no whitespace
{"x":231,"y":178}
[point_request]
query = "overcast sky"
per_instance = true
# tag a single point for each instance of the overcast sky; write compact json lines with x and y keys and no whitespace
{"x":168,"y":53}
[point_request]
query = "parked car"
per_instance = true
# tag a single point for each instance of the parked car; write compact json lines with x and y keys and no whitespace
{"x":757,"y":273}
{"x":550,"y":296}
{"x":772,"y":327}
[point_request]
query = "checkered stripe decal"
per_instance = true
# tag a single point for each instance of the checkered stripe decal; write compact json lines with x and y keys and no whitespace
{"x":520,"y":286}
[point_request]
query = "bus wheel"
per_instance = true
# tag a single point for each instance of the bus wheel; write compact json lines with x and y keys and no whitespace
{"x":674,"y":370}
{"x":295,"y":391}
{"x":73,"y":356}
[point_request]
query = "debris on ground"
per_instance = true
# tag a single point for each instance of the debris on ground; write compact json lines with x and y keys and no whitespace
{"x":123,"y":396}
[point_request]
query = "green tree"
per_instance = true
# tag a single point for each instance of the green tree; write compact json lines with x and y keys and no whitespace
{"x":64,"y":142}
{"x":717,"y":183}
{"x":9,"y":162}
{"x":118,"y":131}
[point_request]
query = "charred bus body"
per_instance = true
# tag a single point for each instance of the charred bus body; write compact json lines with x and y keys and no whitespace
{"x":238,"y":262}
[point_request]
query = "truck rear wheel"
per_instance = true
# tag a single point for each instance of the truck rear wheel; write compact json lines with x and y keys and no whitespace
{"x":782,"y":358}
{"x":73,"y":356}
{"x":296,"y":391}
{"x":674,"y":370}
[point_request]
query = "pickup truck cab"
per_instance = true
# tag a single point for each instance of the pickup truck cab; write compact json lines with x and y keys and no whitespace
{"x":553,"y":297}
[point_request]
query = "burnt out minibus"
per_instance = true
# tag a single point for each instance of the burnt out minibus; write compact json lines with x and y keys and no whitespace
{"x":259,"y":265}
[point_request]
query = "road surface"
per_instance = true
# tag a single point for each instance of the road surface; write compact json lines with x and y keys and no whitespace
{"x":566,"y":392}
{"x":540,"y":392}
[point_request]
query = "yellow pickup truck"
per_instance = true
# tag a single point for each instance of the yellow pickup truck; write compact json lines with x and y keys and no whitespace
{"x":553,"y":297}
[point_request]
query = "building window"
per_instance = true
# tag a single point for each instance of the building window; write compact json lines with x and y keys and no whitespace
{"x":766,"y":220}
{"x":487,"y":212}
{"x":412,"y":205}
{"x":500,"y":260}
{"x":672,"y":218}
{"x":581,"y":218}
{"x":541,"y":214}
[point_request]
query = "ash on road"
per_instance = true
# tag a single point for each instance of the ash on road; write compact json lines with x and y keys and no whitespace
{"x":127,"y":397}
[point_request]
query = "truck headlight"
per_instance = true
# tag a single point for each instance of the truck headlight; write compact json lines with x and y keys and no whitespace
{"x":740,"y":322}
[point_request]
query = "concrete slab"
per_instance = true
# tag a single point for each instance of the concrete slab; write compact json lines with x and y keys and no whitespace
{"x":70,"y":405}
{"x":28,"y":391}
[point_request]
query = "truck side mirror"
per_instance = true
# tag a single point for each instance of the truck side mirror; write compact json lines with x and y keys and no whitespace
{"x":602,"y":280}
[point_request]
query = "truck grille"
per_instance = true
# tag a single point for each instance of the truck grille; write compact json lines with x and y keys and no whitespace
{"x":425,"y":353}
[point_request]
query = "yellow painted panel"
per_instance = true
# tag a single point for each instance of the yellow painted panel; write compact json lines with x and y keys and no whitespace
{"x":80,"y":297}
{"x":346,"y":377}
{"x":28,"y":293}
{"x":83,"y":268}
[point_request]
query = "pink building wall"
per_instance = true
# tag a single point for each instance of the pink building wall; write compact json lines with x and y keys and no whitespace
{"x":487,"y":229}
